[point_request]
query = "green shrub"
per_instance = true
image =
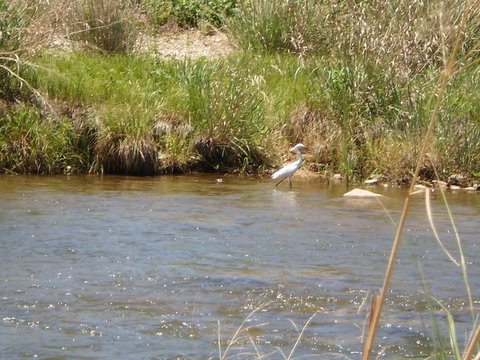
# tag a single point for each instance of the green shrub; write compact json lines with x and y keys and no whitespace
{"x":159,"y":11}
{"x":189,"y":13}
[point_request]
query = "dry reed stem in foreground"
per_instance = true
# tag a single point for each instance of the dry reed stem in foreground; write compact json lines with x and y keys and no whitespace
{"x":380,"y":299}
{"x":434,"y":230}
{"x":238,"y":334}
{"x":473,"y":345}
{"x":289,"y":357}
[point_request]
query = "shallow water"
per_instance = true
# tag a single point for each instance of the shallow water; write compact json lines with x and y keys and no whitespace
{"x":161,"y":267}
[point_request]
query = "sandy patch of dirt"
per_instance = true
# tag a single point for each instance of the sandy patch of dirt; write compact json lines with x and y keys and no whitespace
{"x":178,"y":44}
{"x":172,"y":43}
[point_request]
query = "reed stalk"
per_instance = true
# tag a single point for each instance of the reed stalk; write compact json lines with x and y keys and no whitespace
{"x":472,"y":346}
{"x":299,"y":337}
{"x":240,"y":333}
{"x":442,"y":87}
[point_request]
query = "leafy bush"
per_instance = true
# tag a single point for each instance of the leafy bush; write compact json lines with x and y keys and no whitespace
{"x":159,"y":11}
{"x":189,"y":13}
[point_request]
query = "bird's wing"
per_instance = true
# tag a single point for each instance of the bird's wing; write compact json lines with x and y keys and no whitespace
{"x":285,"y":171}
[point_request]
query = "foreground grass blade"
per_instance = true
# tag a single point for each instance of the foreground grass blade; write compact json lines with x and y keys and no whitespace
{"x":434,"y":230}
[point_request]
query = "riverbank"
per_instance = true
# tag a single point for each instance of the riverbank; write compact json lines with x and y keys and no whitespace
{"x":193,"y":100}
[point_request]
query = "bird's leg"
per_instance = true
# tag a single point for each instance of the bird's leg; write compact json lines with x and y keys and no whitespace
{"x":279,"y":182}
{"x":290,"y":182}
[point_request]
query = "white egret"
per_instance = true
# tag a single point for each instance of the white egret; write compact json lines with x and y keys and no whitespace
{"x":288,"y":170}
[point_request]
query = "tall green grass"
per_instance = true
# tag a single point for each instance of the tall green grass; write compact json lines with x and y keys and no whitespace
{"x":30,"y":143}
{"x":403,"y":36}
{"x":458,"y":131}
{"x":164,"y":115}
{"x":225,"y":110}
{"x":271,"y":26}
{"x":238,"y":112}
{"x":350,"y":81}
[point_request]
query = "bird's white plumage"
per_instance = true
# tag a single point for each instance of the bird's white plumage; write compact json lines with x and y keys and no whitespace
{"x":288,"y":170}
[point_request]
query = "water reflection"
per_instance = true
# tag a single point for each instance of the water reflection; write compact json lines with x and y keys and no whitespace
{"x":142,"y":268}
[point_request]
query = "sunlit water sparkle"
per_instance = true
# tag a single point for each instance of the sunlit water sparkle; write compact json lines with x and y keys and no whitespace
{"x":156,"y":268}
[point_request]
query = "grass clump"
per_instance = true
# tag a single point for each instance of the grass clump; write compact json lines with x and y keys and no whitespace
{"x":125,"y":146}
{"x":14,"y":18}
{"x":30,"y":143}
{"x":225,"y":111}
{"x":106,"y":25}
{"x":11,"y":21}
{"x":458,"y":131}
{"x":278,"y":25}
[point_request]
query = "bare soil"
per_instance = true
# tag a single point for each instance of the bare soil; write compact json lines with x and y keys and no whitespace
{"x":178,"y":44}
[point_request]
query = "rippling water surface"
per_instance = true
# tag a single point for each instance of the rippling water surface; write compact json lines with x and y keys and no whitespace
{"x":162,"y":267}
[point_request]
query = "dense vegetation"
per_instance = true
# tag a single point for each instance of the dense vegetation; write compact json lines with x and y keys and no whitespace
{"x":353,"y":81}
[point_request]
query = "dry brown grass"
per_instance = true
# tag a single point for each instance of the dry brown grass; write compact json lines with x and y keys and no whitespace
{"x":119,"y":154}
{"x":317,"y":131}
{"x":167,"y":124}
{"x":105,"y":25}
{"x":217,"y":153}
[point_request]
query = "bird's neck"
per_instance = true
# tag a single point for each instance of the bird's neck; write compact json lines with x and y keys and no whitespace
{"x":300,"y":157}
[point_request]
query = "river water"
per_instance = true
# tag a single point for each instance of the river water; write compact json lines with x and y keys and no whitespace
{"x":109,"y":267}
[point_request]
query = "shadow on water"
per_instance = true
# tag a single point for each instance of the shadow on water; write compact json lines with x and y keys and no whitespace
{"x":146,"y":268}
